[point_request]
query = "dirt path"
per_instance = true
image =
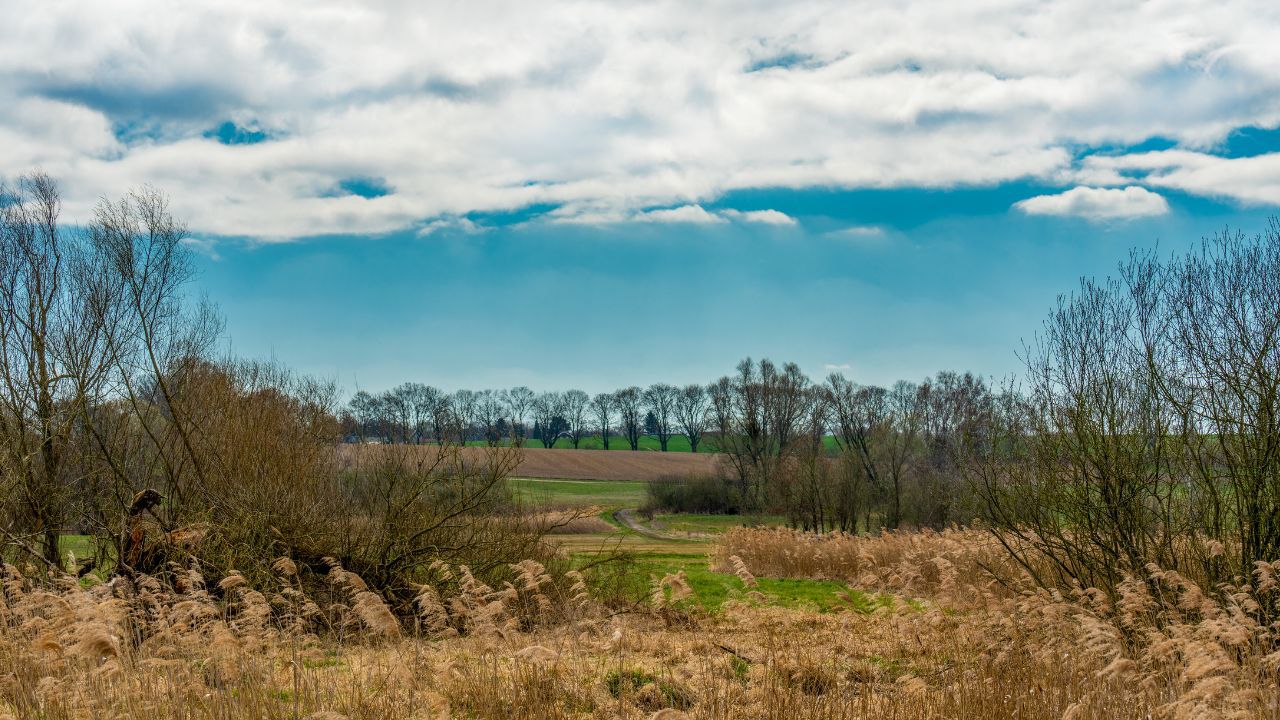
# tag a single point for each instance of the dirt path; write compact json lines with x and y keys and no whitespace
{"x":627,"y":516}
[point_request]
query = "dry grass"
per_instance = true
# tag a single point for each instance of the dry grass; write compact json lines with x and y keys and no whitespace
{"x":572,"y":521}
{"x":924,"y":563}
{"x":528,"y":650}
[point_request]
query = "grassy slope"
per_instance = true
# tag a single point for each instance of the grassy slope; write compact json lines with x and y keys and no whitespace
{"x":579,"y":493}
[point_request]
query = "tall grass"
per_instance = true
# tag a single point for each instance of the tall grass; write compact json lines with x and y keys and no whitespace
{"x":946,"y":642}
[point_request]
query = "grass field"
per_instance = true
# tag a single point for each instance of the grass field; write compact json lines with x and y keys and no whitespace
{"x":709,"y":524}
{"x":656,"y":557}
{"x":711,"y":589}
{"x":543,"y":492}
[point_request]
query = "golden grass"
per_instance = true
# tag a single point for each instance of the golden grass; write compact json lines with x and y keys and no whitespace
{"x":948,"y":644}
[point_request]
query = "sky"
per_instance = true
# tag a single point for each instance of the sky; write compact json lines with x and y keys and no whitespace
{"x":585,"y":194}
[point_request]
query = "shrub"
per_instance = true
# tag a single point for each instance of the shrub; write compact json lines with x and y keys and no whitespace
{"x":708,"y":494}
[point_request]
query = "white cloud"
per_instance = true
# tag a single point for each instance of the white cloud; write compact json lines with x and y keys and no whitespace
{"x":858,"y":232}
{"x":464,"y":225}
{"x":765,"y":217}
{"x":682,"y":214}
{"x":1097,"y":203}
{"x":609,"y":109}
{"x":1253,"y":180}
{"x":831,"y":367}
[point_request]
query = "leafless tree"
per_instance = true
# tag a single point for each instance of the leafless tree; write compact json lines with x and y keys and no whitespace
{"x":549,"y":417}
{"x":720,"y":397}
{"x":765,"y":406}
{"x":519,"y":399}
{"x":660,"y":399}
{"x":97,"y":342}
{"x":422,"y":401}
{"x":691,"y":409}
{"x":489,"y":412}
{"x":577,"y":413}
{"x":603,"y":406}
{"x":630,"y":411}
{"x":462,"y":411}
{"x":37,"y":327}
{"x":367,"y":411}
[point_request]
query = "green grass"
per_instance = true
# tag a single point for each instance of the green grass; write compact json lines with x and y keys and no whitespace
{"x":710,"y":524}
{"x":712,"y":589}
{"x":81,"y":545}
{"x":578,"y":493}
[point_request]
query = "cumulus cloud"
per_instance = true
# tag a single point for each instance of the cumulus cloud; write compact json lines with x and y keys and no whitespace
{"x":764,"y":217}
{"x":683,"y":214}
{"x":458,"y":224}
{"x":1097,"y":203}
{"x":608,"y":110}
{"x":1251,"y":180}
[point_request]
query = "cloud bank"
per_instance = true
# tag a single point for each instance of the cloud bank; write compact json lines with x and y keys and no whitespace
{"x":271,"y":120}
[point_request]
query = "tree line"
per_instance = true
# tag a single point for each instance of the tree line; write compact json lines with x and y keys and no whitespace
{"x":830,"y":455}
{"x":417,"y":413}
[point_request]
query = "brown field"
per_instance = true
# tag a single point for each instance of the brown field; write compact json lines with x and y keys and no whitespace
{"x":610,"y":464}
{"x":590,"y":464}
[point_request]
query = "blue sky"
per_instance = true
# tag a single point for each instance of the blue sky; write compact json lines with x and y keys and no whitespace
{"x":595,"y":194}
{"x":947,"y":281}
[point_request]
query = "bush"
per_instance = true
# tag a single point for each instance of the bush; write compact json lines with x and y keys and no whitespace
{"x":707,"y":494}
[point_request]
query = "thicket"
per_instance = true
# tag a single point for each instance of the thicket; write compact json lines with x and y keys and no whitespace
{"x":117,"y":422}
{"x":708,"y":494}
{"x":1148,"y":431}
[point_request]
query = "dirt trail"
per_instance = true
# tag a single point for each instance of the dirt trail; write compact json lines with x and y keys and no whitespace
{"x":627,"y":516}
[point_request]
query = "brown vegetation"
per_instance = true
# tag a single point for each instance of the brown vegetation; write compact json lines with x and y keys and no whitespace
{"x":951,"y":646}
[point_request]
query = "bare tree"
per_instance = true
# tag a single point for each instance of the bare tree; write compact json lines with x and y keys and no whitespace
{"x":96,"y":342}
{"x":489,"y":411}
{"x":660,"y":399}
{"x":629,"y":404}
{"x":423,"y":401}
{"x":577,"y":413}
{"x":462,"y":407}
{"x":399,"y":407}
{"x":720,"y":396}
{"x":367,"y":411}
{"x":519,"y":400}
{"x":905,"y":406}
{"x":39,"y":376}
{"x":603,"y":406}
{"x":548,"y":417}
{"x":691,"y":409}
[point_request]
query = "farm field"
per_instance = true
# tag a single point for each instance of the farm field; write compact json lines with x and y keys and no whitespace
{"x":676,"y":444}
{"x":648,"y":443}
{"x":557,"y":493}
{"x":599,"y":465}
{"x":582,"y":464}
